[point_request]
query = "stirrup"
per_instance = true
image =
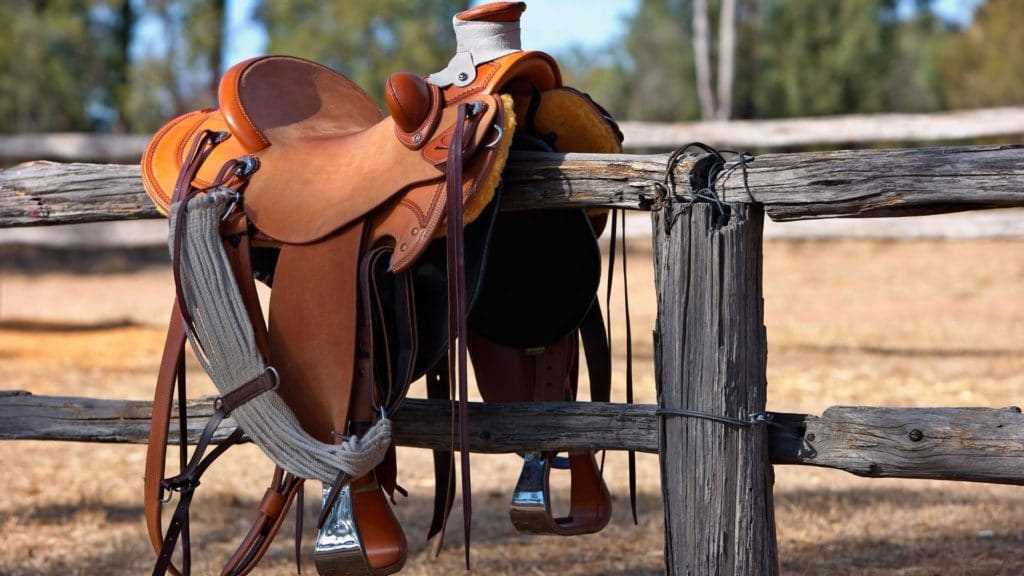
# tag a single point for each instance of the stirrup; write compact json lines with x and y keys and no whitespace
{"x":340,"y":548}
{"x":590,"y":507}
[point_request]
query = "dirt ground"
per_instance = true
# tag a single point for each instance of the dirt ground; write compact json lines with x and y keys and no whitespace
{"x":912,"y":323}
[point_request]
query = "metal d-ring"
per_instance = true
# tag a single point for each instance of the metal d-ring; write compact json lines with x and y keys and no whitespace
{"x":497,"y":138}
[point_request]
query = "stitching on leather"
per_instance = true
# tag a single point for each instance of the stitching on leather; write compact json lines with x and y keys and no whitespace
{"x":421,"y":216}
{"x":482,"y":85}
{"x":429,"y":227}
{"x":239,"y":84}
{"x":147,"y":159}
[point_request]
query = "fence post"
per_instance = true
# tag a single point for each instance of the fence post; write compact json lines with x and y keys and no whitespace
{"x":710,"y":353}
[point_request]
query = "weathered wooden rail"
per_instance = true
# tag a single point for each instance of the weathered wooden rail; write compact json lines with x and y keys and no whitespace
{"x":710,"y":340}
{"x":967,"y":444}
{"x":810,"y":185}
{"x":849,"y":129}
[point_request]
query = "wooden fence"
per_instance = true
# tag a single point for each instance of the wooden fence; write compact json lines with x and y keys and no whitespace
{"x":710,"y":339}
{"x":831,"y":131}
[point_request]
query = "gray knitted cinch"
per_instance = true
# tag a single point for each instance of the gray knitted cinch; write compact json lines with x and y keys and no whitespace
{"x":223,"y":341}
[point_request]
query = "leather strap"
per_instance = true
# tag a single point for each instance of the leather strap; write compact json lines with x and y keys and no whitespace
{"x":174,"y":348}
{"x":457,"y":332}
{"x":616,"y":219}
{"x":438,"y":384}
{"x":284,"y":488}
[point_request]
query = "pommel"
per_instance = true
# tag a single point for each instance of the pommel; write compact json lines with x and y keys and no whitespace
{"x":415,"y":107}
{"x":408,"y":100}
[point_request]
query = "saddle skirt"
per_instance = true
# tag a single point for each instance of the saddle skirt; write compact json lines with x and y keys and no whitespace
{"x":383,"y":241}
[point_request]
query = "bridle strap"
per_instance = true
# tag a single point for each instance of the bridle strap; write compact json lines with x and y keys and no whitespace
{"x":283,"y":489}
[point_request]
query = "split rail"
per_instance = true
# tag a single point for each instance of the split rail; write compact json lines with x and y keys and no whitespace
{"x":710,"y":337}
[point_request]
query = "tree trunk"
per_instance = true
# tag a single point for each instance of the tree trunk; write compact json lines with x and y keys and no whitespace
{"x":726,"y":58}
{"x":121,"y":83}
{"x":215,"y":58}
{"x":702,"y":58}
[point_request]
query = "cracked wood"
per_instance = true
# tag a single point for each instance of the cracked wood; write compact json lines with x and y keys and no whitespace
{"x":808,"y":185}
{"x":978,"y":444}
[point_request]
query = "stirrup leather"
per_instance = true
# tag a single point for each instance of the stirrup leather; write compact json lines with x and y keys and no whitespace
{"x":590,"y":507}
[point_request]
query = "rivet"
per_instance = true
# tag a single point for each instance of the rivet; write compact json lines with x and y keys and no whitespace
{"x":414,"y":231}
{"x":463,"y":76}
{"x":402,"y":246}
{"x":810,"y":437}
{"x":916,"y":435}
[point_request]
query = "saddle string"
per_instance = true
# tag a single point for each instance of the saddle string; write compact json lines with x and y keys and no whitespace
{"x":608,"y":297}
{"x":438,"y":388}
{"x":630,"y":455}
{"x":457,"y":330}
{"x":186,"y":536}
{"x":618,"y":226}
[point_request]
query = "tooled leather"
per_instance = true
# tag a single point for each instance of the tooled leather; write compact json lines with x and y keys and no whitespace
{"x":454,"y":94}
{"x":492,"y":77}
{"x":428,"y":213}
{"x":436,"y":151}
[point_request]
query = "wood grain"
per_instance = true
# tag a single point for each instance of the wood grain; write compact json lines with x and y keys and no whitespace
{"x":973,"y":444}
{"x":843,"y":184}
{"x":710,"y":357}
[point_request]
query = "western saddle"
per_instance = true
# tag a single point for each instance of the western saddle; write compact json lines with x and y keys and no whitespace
{"x":389,"y":260}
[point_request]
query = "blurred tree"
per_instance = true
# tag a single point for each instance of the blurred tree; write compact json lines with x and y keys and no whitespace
{"x":180,"y":72}
{"x":600,"y":72}
{"x":51,"y":58}
{"x":915,"y":78}
{"x":824,"y":57}
{"x":984,"y":64}
{"x":659,"y":81}
{"x":365,"y":39}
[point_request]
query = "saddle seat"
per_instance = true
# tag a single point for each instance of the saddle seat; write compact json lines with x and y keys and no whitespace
{"x":328,"y":156}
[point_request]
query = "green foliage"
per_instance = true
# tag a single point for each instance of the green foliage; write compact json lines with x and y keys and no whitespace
{"x":365,"y":40}
{"x":51,"y":65}
{"x":823,"y":57}
{"x":984,"y":65}
{"x":915,"y":77}
{"x":67,"y":65}
{"x":660,"y":53}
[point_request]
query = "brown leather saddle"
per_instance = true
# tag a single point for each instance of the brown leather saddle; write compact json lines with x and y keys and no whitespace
{"x":389,"y":260}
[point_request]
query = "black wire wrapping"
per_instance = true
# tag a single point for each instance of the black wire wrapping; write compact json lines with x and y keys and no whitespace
{"x":704,"y":183}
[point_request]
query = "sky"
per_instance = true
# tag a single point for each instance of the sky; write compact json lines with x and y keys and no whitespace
{"x":548,"y":25}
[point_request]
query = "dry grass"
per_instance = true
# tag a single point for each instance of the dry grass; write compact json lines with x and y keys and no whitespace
{"x":850,"y":322}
